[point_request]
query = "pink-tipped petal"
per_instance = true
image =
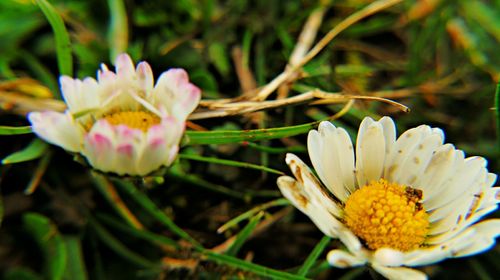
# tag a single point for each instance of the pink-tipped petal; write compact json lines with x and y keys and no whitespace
{"x":145,"y":77}
{"x":124,"y":66}
{"x":58,"y":129}
{"x":174,"y":92}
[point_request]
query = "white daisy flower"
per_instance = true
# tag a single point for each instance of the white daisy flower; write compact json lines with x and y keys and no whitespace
{"x":401,"y":203}
{"x":122,"y":123}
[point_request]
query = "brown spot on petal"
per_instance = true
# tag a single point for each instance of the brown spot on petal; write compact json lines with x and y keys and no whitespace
{"x":408,"y":135}
{"x":420,"y":146}
{"x":297,"y":194}
{"x":391,"y":170}
{"x":416,"y":160}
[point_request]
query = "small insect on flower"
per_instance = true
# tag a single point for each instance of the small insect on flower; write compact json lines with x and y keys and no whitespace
{"x":122,"y":123}
{"x":403,"y":202}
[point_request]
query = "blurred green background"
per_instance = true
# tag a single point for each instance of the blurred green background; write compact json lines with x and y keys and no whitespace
{"x":441,"y":58}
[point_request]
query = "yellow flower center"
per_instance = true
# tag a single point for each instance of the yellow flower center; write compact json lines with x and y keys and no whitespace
{"x":389,"y":215}
{"x":133,"y":119}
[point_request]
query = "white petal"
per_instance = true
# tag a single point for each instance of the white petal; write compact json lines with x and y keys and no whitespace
{"x":389,"y":133}
{"x":343,"y":259}
{"x":124,"y":66}
{"x":322,"y":147}
{"x":416,"y":159}
{"x":441,"y":168}
{"x":388,"y":257}
{"x":453,"y":228}
{"x":145,"y":78}
{"x":58,"y":129}
{"x":464,"y":177}
{"x":458,"y":208}
{"x":399,"y":273}
{"x":80,"y":95}
{"x":483,"y":239}
{"x":370,"y":151}
{"x":426,"y":256}
{"x":405,"y":144}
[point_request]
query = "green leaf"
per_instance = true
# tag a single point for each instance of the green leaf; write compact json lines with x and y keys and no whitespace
{"x":63,"y":44}
{"x":48,"y":238}
{"x":33,"y":151}
{"x":235,"y":136}
{"x":14,"y":130}
{"x":75,"y":268}
{"x":244,"y":234}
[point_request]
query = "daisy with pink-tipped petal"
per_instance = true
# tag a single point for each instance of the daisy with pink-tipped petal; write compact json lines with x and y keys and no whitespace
{"x":122,"y":122}
{"x":394,"y":203}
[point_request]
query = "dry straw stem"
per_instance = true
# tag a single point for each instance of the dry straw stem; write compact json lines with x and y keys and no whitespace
{"x":312,"y":97}
{"x":350,"y":20}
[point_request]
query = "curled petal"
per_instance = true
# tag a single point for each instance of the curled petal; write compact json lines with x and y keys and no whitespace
{"x":58,"y":129}
{"x":343,"y":259}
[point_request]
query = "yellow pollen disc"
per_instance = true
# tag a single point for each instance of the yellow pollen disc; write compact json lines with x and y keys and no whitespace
{"x":389,"y":215}
{"x":133,"y":119}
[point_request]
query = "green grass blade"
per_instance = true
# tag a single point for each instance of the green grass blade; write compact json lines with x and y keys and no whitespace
{"x":235,"y":136}
{"x":61,"y":37}
{"x":118,"y":28}
{"x":245,"y":195}
{"x":51,"y":243}
{"x":33,"y":151}
{"x":230,"y":163}
{"x":110,"y":241}
{"x":251,"y":267}
{"x":154,"y":211}
{"x":244,"y":234}
{"x":141,"y":234}
{"x":75,"y":268}
{"x":275,"y":150}
{"x":251,"y":212}
{"x":14,"y":130}
{"x":314,"y":255}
